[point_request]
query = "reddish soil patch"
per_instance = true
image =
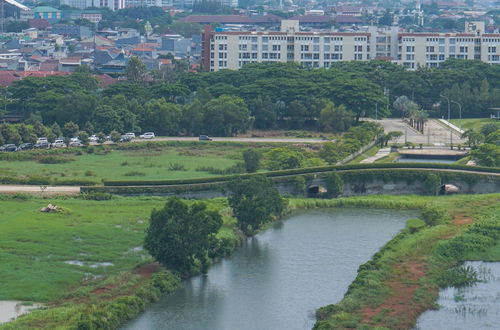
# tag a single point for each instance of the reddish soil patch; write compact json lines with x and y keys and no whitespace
{"x":462,"y":221}
{"x":146,"y":271}
{"x":403,"y":287}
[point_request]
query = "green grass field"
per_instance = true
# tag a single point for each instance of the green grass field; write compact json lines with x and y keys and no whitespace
{"x":474,"y":123}
{"x":368,"y":153}
{"x":45,"y":256}
{"x":130,"y":164}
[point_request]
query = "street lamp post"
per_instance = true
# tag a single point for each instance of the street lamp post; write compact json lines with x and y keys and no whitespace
{"x":447,"y":99}
{"x":460,"y":113}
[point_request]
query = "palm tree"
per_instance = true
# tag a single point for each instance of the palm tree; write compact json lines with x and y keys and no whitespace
{"x":421,"y":118}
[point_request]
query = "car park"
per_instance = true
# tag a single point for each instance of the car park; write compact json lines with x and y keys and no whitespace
{"x":25,"y":146}
{"x":147,"y":135}
{"x":8,"y":148}
{"x":205,"y":138}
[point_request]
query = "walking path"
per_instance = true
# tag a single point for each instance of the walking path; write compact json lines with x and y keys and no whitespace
{"x":381,"y":153}
{"x":49,"y":190}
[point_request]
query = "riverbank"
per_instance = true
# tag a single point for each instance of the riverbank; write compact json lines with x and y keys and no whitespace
{"x":403,"y":279}
{"x":117,"y":293}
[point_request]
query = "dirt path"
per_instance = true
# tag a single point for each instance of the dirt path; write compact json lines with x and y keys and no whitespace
{"x":49,"y":190}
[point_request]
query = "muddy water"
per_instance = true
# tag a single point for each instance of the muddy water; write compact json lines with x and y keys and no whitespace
{"x":10,"y":309}
{"x":277,"y":279}
{"x":474,"y":307}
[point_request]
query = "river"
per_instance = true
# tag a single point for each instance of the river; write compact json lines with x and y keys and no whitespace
{"x":278,"y":278}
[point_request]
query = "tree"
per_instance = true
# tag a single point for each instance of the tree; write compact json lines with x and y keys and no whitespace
{"x":70,"y":129}
{"x":115,"y":136}
{"x":161,"y":117}
{"x":56,"y":129}
{"x":39,"y":129}
{"x":185,"y":29}
{"x":180,"y":235}
{"x":84,"y":137}
{"x":335,"y":119}
{"x":226,"y":116}
{"x":136,"y":71}
{"x":254,"y":201}
{"x":251,"y":157}
{"x":473,"y":138}
{"x":283,"y":159}
{"x":487,"y":155}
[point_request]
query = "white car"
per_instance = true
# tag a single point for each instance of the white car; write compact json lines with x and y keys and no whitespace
{"x":147,"y":135}
{"x":93,"y":138}
{"x":76,"y":144}
{"x":42,"y":140}
{"x":75,"y":139}
{"x":59,"y":144}
{"x":130,"y":135}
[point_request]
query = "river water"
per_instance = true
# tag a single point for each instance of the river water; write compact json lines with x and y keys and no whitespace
{"x":474,"y":307}
{"x":278,"y":279}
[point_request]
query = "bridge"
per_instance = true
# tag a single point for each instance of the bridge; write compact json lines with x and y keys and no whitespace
{"x":359,"y":179}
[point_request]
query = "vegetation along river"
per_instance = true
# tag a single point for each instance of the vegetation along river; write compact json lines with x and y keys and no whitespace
{"x":278,"y":279}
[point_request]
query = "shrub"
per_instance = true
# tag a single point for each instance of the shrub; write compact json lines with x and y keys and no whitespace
{"x":414,"y":225}
{"x":299,"y":185}
{"x":124,"y":163}
{"x":134,"y":173}
{"x":334,"y":185}
{"x":433,"y":215}
{"x":176,"y":167}
{"x":54,"y":160}
{"x":432,"y":184}
{"x":90,"y":150}
{"x":89,"y":173}
{"x":458,"y":277}
{"x":97,"y":196}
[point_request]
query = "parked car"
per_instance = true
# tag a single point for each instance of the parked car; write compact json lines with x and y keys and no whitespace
{"x":126,"y":138}
{"x":41,"y":145}
{"x":25,"y":146}
{"x":205,"y":138}
{"x":8,"y":147}
{"x":59,"y":144}
{"x":76,"y":144}
{"x":75,"y":139}
{"x":130,"y":135}
{"x":147,"y":135}
{"x":94,"y":138}
{"x":42,"y":140}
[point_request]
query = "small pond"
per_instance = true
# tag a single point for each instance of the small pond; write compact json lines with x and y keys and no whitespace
{"x":474,"y":307}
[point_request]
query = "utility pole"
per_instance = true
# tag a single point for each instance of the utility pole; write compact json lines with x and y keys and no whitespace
{"x":460,"y":113}
{"x":448,"y":105}
{"x":376,"y":111}
{"x":428,"y":135}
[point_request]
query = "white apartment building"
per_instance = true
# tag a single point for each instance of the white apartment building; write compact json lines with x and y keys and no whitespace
{"x":82,"y":4}
{"x":232,"y":50}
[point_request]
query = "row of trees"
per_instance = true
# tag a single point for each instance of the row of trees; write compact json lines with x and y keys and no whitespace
{"x":262,"y":96}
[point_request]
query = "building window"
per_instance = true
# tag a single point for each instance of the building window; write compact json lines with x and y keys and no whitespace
{"x":358,"y":48}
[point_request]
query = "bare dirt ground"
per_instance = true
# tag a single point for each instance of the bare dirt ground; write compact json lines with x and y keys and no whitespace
{"x":40,"y":190}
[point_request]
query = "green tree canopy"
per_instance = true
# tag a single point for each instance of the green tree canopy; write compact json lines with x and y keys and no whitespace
{"x":180,"y":235}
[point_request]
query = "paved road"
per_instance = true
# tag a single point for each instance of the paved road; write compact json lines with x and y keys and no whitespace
{"x":435,"y":133}
{"x":238,"y":139}
{"x":49,"y":190}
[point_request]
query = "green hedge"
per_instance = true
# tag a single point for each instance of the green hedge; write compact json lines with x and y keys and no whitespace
{"x":306,"y":171}
{"x":43,"y":180}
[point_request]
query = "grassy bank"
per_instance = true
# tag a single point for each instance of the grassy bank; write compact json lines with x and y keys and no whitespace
{"x":368,"y":153}
{"x":402,"y":280}
{"x":472,"y":123}
{"x":84,"y":263}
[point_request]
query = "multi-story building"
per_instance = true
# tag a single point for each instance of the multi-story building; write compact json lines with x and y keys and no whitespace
{"x":232,"y":50}
{"x":82,"y":4}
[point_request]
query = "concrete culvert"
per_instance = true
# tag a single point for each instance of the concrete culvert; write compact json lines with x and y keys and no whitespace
{"x":448,"y":189}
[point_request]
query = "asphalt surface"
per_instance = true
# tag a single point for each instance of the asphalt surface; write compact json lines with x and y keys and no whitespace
{"x":237,"y":139}
{"x":434,"y":133}
{"x":48,"y":190}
